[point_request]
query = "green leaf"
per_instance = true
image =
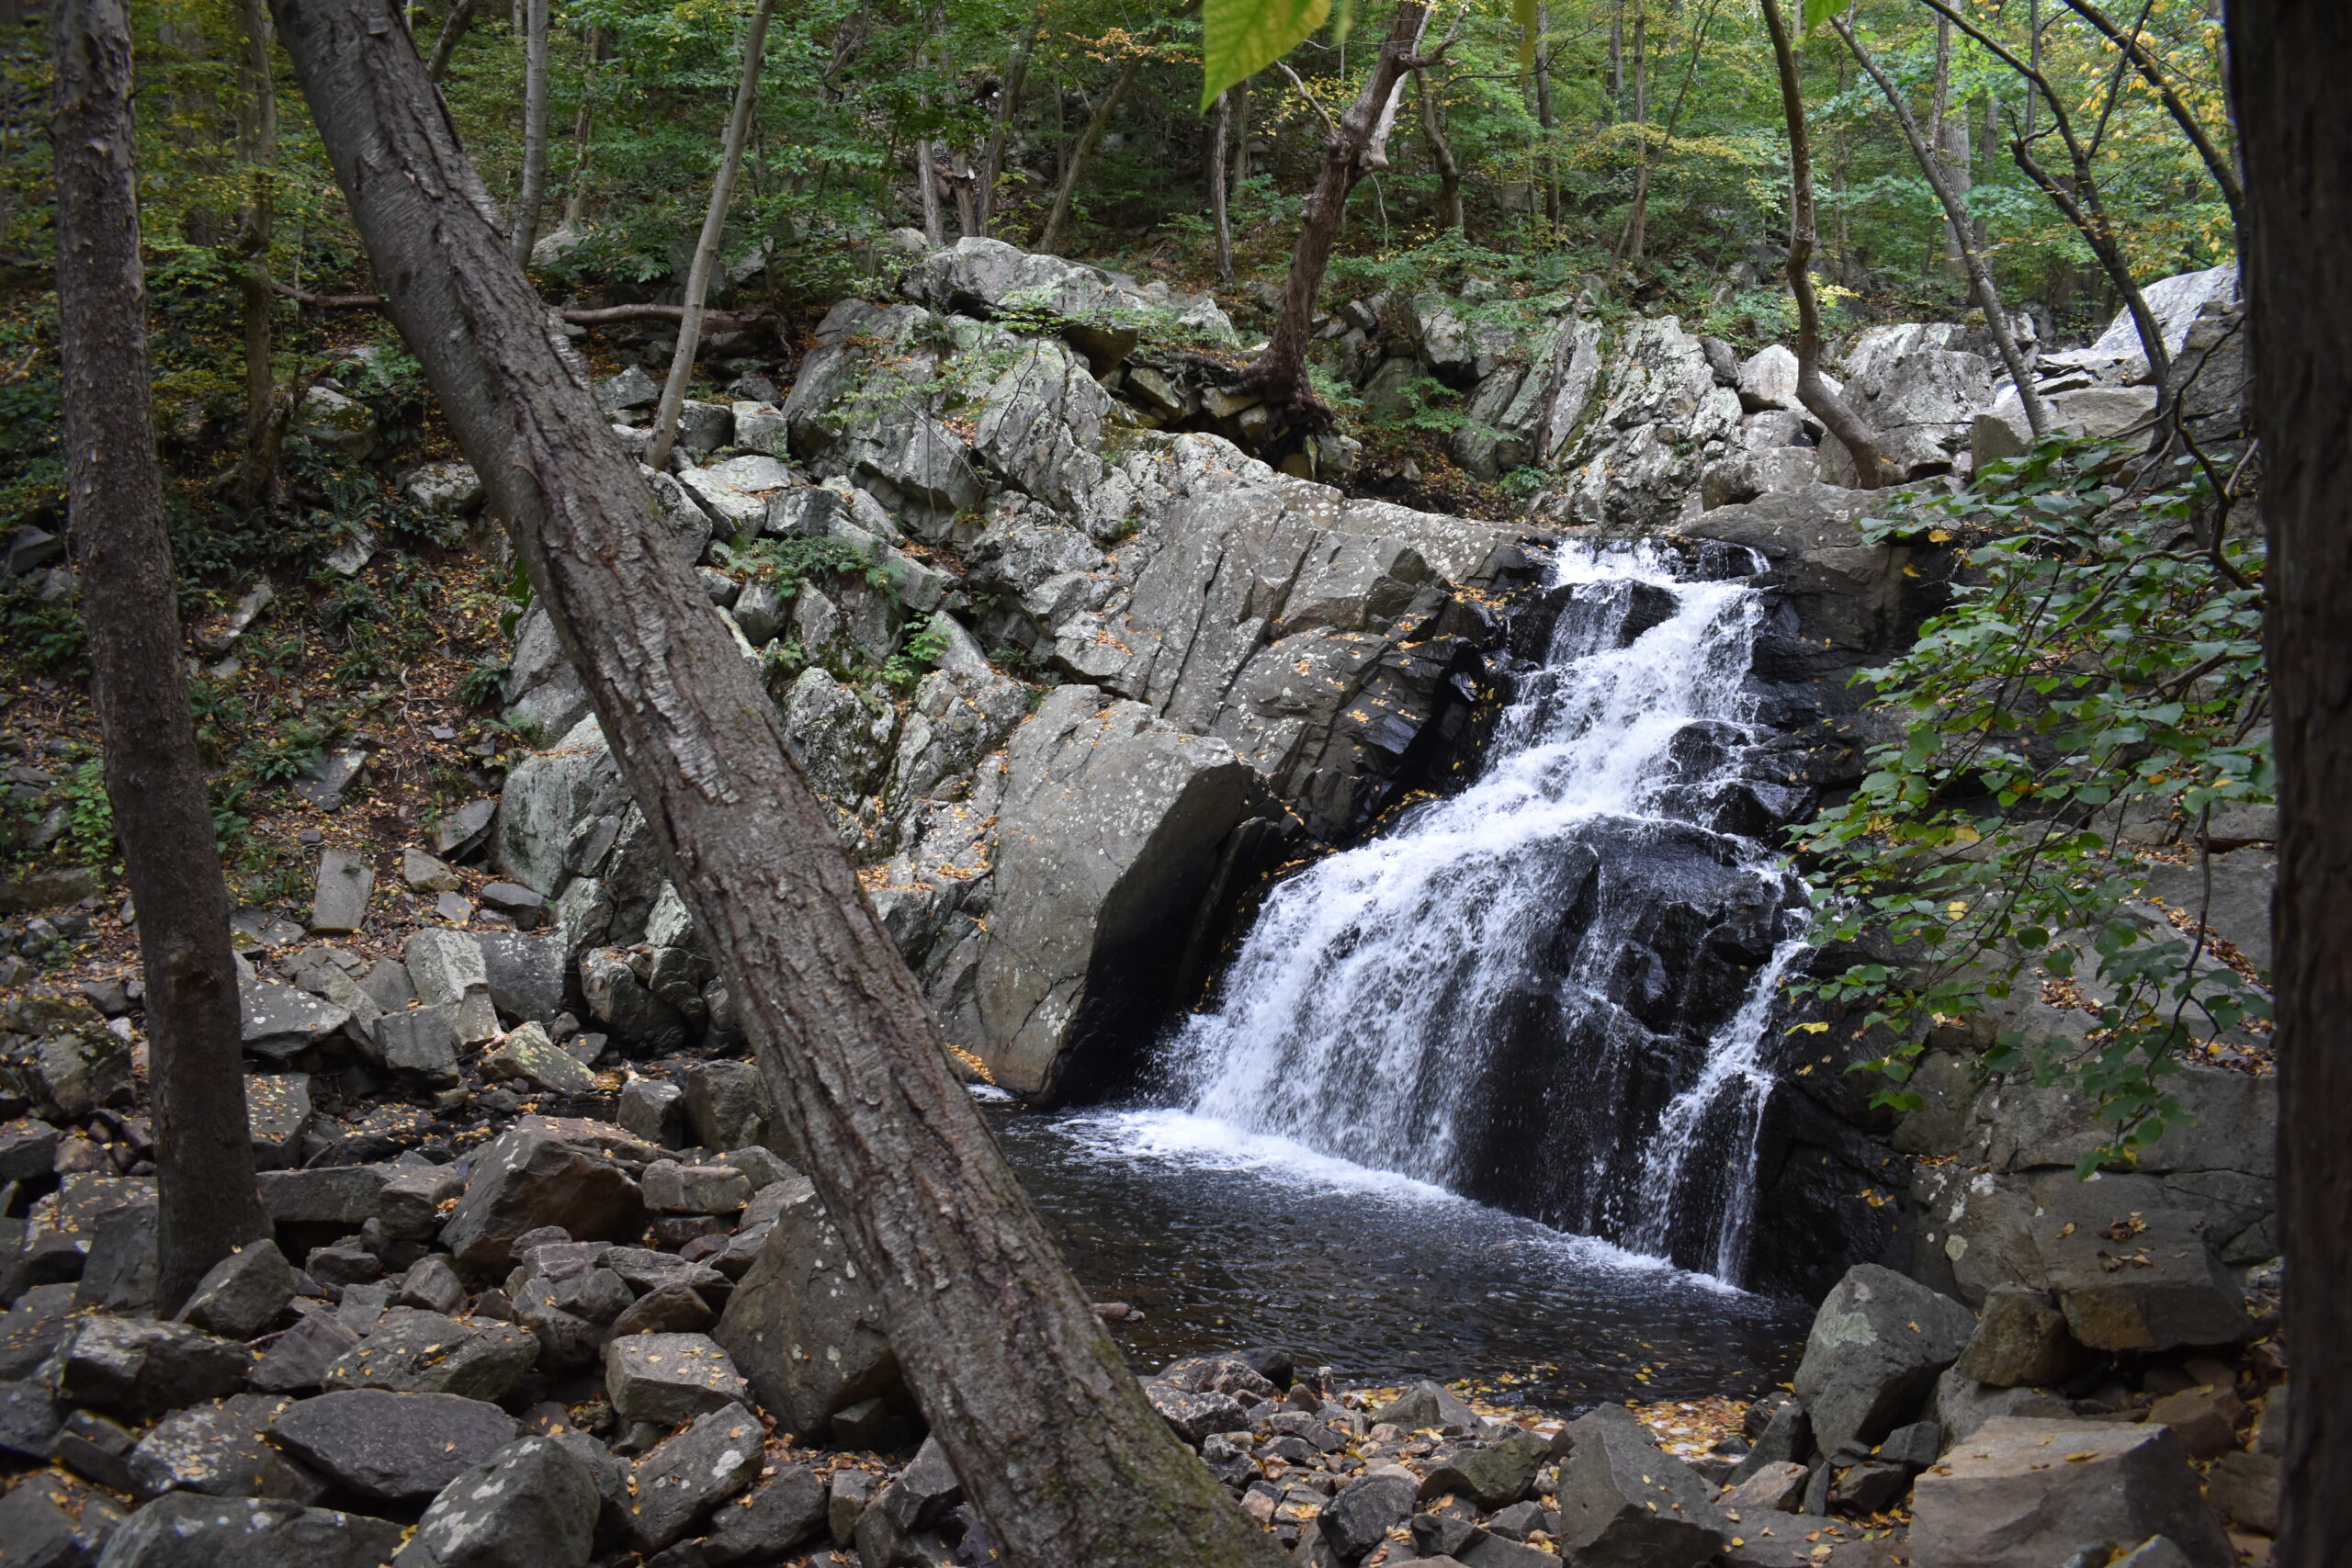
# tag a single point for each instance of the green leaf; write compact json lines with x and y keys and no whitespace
{"x":1241,"y":38}
{"x":1819,"y":11}
{"x":1523,"y":12}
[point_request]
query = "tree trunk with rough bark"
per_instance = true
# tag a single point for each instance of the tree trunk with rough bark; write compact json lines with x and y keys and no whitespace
{"x":1220,"y":138}
{"x":1449,"y":172}
{"x":1980,"y":277}
{"x":1813,"y":390}
{"x":1074,"y":162}
{"x":714,"y":228}
{"x":1016,"y":79}
{"x":575,"y":189}
{"x":1059,"y":1452}
{"x":1353,"y":147}
{"x":2217,"y":162}
{"x":453,"y":29}
{"x":207,"y":1201}
{"x":2289,"y":62}
{"x":256,"y":480}
{"x":532,"y":189}
{"x":2081,"y":205}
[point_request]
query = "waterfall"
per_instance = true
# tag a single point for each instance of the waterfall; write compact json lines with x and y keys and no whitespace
{"x":1550,"y":991}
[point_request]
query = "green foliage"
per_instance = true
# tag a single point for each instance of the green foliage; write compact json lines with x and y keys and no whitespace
{"x":785,"y":564}
{"x":919,"y":653}
{"x":89,"y":815}
{"x":1241,"y":38}
{"x":38,"y":636}
{"x":481,"y":684}
{"x":2097,"y":671}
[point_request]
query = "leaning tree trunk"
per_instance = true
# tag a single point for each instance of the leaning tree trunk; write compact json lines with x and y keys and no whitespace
{"x":2081,"y":206}
{"x":1961,"y":236}
{"x":2289,"y":62}
{"x":714,"y":227}
{"x":1076,"y":161}
{"x":1016,"y":78}
{"x":534,"y":187}
{"x":1353,"y":147}
{"x":453,"y":29}
{"x":1813,"y":390}
{"x":207,"y":1201}
{"x":1057,"y":1447}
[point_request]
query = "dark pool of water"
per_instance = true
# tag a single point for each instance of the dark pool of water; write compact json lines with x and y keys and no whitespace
{"x":1227,"y":1239}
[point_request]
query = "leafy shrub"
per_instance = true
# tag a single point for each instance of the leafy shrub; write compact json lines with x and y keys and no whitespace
{"x":2099,"y":667}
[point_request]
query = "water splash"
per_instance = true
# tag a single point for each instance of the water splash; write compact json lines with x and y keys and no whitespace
{"x":1549,"y":991}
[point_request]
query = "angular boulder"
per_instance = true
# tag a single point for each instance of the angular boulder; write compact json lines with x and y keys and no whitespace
{"x":806,"y":1325}
{"x":140,"y":1368}
{"x":1625,"y":1502}
{"x":1365,"y":1510}
{"x":392,"y":1446}
{"x":526,"y":1180}
{"x":532,"y":1505}
{"x":2146,"y":1281}
{"x":183,"y":1530}
{"x":218,"y":1449}
{"x":686,"y":1476}
{"x":1878,"y":1344}
{"x":410,"y":1351}
{"x":669,"y":1378}
{"x":242,"y":1294}
{"x":2022,"y":1494}
{"x":1104,"y":849}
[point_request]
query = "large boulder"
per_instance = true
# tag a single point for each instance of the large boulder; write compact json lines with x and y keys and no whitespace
{"x":1877,"y":1345}
{"x":527,"y":1180}
{"x":1105,"y":847}
{"x":1625,"y":1502}
{"x":805,"y":1324}
{"x":688,"y":1475}
{"x":1042,"y":426}
{"x":2026,"y":1494}
{"x":184,"y":1529}
{"x":392,"y":1446}
{"x":139,"y":1368}
{"x":218,"y":1448}
{"x":532,"y":1505}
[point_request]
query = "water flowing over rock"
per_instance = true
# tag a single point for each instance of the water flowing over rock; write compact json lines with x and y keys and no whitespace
{"x":1549,"y":991}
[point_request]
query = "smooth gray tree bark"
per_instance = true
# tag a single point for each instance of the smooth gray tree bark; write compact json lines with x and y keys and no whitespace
{"x":714,"y":228}
{"x":207,"y":1201}
{"x":1058,"y":1450}
{"x":532,"y":191}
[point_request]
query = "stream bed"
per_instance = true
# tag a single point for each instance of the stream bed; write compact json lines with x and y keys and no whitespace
{"x":1226,"y":1238}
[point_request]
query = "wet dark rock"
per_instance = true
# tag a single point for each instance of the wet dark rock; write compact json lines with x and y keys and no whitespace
{"x":185,"y":1530}
{"x":532,"y":1505}
{"x":686,"y":1476}
{"x":27,"y":1147}
{"x":141,"y":1367}
{"x":900,"y":1525}
{"x":49,"y":1521}
{"x":785,"y":1511}
{"x":1367,"y":1508}
{"x":244,"y":1293}
{"x":1877,"y":1346}
{"x":345,"y":1263}
{"x":433,"y":1284}
{"x":218,"y":1449}
{"x":424,"y":1352}
{"x":727,"y":1105}
{"x":655,"y":1110}
{"x":1444,"y":1532}
{"x":28,"y":1336}
{"x":1624,"y":1502}
{"x":392,"y":1446}
{"x":669,"y":1378}
{"x":1785,"y":1437}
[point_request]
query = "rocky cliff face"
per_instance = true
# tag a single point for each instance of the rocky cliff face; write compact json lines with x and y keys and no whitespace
{"x":1155,"y":661}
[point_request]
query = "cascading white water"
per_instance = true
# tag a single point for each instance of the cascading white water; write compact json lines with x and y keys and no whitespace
{"x":1487,"y":997}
